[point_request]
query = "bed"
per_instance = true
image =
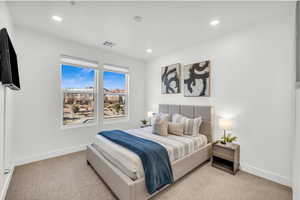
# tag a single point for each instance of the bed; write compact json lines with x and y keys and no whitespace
{"x":121,"y":169}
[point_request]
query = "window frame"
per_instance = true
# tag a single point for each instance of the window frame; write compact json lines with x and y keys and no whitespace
{"x":122,"y":70}
{"x":96,"y":92}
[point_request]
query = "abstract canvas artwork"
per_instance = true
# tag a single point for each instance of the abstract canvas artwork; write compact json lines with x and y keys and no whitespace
{"x":170,"y":79}
{"x":197,"y":79}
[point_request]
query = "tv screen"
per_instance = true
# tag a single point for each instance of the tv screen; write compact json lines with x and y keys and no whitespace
{"x":9,"y":74}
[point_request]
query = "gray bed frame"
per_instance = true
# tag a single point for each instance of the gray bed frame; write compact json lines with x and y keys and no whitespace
{"x":127,"y":189}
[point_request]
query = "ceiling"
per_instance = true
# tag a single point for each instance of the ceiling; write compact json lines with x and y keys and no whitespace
{"x":166,"y":26}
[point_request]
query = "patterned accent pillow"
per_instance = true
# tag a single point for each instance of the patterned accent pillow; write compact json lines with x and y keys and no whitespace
{"x":191,"y":126}
{"x":160,"y":127}
{"x":176,"y":129}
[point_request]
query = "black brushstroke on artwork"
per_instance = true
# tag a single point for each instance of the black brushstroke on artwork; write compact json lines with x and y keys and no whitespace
{"x":167,"y":82}
{"x":193,"y":76}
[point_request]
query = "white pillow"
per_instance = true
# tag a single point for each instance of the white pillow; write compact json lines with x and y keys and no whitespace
{"x":160,"y":116}
{"x":191,"y":126}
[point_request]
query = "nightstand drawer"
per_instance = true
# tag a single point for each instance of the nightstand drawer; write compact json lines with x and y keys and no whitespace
{"x":224,"y":156}
{"x":223,"y":153}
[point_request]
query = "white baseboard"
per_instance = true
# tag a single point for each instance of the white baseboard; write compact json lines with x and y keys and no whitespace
{"x":52,"y":154}
{"x":266,"y":174}
{"x":7,"y":180}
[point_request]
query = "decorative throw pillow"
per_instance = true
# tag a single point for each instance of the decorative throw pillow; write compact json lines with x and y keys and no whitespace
{"x":176,"y":129}
{"x":160,"y":127}
{"x":191,"y":126}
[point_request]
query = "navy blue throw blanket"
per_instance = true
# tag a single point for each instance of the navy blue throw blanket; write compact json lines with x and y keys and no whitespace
{"x":155,"y":158}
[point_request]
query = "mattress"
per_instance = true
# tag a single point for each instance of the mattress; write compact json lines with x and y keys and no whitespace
{"x":130,"y":164}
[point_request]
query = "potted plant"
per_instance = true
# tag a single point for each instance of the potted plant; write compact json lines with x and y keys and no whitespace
{"x":229,"y":138}
{"x":144,"y":122}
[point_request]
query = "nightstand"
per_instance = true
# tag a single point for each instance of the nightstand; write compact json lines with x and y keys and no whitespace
{"x":226,"y":157}
{"x":144,"y":126}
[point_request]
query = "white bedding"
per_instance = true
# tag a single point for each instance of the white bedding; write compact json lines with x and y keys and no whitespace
{"x":130,"y":164}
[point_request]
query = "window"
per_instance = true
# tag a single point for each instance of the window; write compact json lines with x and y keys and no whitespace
{"x":115,"y":90}
{"x":78,"y":83}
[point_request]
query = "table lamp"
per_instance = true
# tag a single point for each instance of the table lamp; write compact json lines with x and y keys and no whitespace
{"x":149,"y":114}
{"x":226,"y":125}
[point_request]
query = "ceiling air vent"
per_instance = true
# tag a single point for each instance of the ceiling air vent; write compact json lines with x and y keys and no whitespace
{"x":108,"y":44}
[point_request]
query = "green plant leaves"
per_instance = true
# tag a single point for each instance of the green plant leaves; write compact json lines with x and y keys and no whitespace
{"x":229,"y":138}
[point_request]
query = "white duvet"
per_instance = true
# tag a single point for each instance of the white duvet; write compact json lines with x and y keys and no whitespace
{"x":130,"y":164}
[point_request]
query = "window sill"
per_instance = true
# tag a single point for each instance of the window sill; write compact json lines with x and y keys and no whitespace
{"x":66,"y":127}
{"x":115,"y":120}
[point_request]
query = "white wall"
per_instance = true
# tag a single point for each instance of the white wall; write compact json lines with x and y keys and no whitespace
{"x":252,"y":83}
{"x":5,"y":22}
{"x":296,"y":158}
{"x":296,"y":163}
{"x":37,"y":130}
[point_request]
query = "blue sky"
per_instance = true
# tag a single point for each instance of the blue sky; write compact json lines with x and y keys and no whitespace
{"x":76,"y":77}
{"x":113,"y":80}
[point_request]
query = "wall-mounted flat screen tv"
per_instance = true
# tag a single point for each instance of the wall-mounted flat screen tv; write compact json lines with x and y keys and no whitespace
{"x":9,"y":73}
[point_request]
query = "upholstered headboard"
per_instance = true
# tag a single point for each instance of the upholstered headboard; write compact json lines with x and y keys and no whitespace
{"x":192,"y":111}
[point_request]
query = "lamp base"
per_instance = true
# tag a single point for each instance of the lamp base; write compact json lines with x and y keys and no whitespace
{"x":224,"y":138}
{"x":223,"y":142}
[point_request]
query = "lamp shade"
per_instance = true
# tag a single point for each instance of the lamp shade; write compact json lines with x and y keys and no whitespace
{"x":149,"y":114}
{"x":225,"y":124}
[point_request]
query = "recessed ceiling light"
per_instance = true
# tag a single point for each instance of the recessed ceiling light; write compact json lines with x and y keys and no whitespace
{"x":57,"y":18}
{"x":214,"y":22}
{"x":149,"y":50}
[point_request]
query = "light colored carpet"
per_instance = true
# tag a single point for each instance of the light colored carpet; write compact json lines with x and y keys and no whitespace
{"x":70,"y":178}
